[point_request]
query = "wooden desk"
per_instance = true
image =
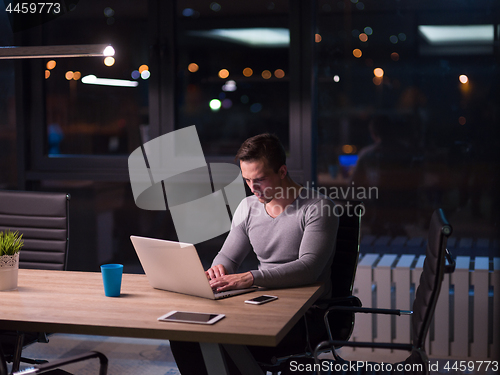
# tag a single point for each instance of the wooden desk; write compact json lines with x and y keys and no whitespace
{"x":74,"y":302}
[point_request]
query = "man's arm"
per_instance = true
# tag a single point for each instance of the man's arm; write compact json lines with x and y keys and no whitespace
{"x":315,"y":253}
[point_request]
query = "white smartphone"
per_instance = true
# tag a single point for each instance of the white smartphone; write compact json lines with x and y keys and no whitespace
{"x":261,"y":299}
{"x":191,"y":317}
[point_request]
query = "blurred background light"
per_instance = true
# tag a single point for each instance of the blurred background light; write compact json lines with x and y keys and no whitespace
{"x":462,"y":120}
{"x":193,"y":67}
{"x":187,"y":12}
{"x":77,"y":76}
{"x":266,"y":74}
{"x":47,"y":74}
{"x":143,"y":68}
{"x":253,"y":37}
{"x":247,"y":72}
{"x":395,"y":56}
{"x":336,"y":78}
{"x":357,"y":53}
{"x":223,"y":73}
{"x":227,"y":103}
{"x":69,"y":75}
{"x":109,"y":61}
{"x":109,"y":51}
{"x":229,"y":86}
{"x":394,"y":39}
{"x":215,"y":104}
{"x":378,"y":72}
{"x":256,"y":108}
{"x":463,"y":79}
{"x":51,"y":64}
{"x":441,"y":34}
{"x":145,"y":74}
{"x":368,"y":30}
{"x":317,"y":38}
{"x":93,"y":80}
{"x":135,"y":74}
{"x":279,"y":73}
{"x":363,"y":37}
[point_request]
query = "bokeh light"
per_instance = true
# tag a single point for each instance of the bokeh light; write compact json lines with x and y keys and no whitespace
{"x":135,"y":74}
{"x":279,"y":73}
{"x":47,"y":74}
{"x":336,"y":78}
{"x":51,"y":64}
{"x":77,"y":76}
{"x":395,"y":56}
{"x":462,"y":120}
{"x":215,"y":104}
{"x":256,"y":107}
{"x":463,"y":79}
{"x":227,"y":103}
{"x":223,"y":73}
{"x":378,"y":72}
{"x":363,"y":37}
{"x":317,"y":38}
{"x":109,"y":61}
{"x":349,"y":149}
{"x":143,"y":68}
{"x":247,"y":72}
{"x":368,"y":30}
{"x":377,"y":80}
{"x":69,"y":75}
{"x":266,"y":74}
{"x":393,"y":39}
{"x":193,"y":67}
{"x":357,"y":53}
{"x":145,"y":74}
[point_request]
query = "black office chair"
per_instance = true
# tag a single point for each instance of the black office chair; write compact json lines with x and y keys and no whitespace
{"x":43,"y":220}
{"x":423,"y":307}
{"x":343,"y":272}
{"x":53,"y":367}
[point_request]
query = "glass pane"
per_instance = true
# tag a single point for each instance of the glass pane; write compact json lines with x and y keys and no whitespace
{"x":83,"y":117}
{"x":233,"y":71}
{"x":408,"y":106}
{"x":8,"y":153}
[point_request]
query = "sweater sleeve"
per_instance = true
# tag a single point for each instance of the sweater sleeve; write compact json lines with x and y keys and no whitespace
{"x":315,"y":253}
{"x":237,"y":244}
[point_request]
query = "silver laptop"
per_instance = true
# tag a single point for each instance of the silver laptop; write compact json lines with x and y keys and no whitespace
{"x":169,"y":266}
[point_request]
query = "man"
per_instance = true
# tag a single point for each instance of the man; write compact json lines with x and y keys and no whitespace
{"x":291,"y":229}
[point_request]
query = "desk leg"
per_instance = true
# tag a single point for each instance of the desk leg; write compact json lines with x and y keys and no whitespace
{"x":243,"y":359}
{"x":214,"y":358}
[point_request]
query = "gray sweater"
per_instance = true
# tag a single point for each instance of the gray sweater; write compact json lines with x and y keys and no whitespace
{"x":295,"y":248}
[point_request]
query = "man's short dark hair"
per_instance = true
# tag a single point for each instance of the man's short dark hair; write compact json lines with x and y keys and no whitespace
{"x":266,"y":146}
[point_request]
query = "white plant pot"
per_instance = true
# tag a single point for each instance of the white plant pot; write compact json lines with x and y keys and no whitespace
{"x":9,"y":266}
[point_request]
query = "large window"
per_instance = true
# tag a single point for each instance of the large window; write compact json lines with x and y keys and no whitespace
{"x":407,"y":105}
{"x":233,"y":71}
{"x":86,"y":115}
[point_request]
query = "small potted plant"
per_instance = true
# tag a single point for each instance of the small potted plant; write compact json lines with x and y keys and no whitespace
{"x":10,"y":244}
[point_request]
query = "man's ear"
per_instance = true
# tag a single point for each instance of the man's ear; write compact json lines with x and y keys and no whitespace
{"x":283,"y":171}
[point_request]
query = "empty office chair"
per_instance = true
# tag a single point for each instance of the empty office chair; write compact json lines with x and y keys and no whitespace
{"x":343,"y":271}
{"x":42,"y":218}
{"x":425,"y":300}
{"x":53,"y":367}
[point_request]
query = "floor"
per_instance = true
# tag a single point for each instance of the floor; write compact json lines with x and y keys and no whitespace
{"x":129,"y":356}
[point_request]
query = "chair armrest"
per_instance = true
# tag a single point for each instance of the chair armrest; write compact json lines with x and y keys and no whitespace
{"x":44,"y":367}
{"x":338,"y":301}
{"x":370,"y":310}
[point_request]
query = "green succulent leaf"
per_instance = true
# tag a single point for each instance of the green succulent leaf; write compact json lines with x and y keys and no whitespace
{"x":10,"y":242}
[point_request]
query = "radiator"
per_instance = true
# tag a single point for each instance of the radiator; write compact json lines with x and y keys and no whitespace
{"x":466,"y":323}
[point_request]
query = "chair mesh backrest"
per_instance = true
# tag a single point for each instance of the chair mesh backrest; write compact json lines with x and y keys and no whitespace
{"x":42,"y":218}
{"x":346,"y":256}
{"x":431,"y":277}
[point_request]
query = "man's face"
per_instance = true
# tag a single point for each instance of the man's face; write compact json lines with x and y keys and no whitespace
{"x":262,"y":180}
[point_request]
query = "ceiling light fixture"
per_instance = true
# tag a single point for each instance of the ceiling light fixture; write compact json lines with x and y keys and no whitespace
{"x":38,"y":52}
